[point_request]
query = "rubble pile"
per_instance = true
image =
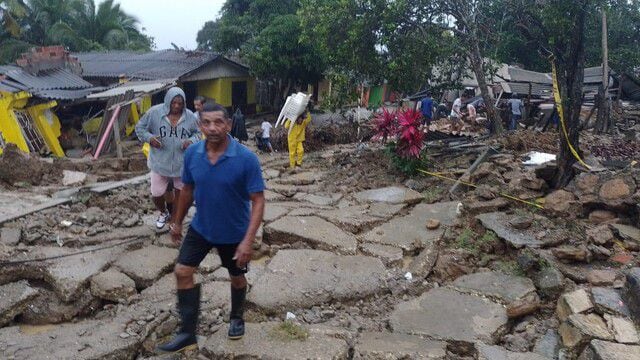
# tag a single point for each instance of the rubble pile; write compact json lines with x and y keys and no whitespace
{"x":20,"y":169}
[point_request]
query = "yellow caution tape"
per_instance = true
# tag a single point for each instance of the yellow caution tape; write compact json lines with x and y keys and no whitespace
{"x":558,"y":101}
{"x":507,"y":196}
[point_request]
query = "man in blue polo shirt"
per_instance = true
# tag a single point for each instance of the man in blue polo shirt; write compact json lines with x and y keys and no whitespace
{"x":225,"y":180}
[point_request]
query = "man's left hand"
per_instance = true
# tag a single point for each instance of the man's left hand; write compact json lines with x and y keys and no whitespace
{"x":243,"y":254}
{"x":185,"y":144}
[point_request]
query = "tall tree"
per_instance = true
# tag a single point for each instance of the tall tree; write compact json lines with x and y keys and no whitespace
{"x":266,"y":34}
{"x":463,"y":18}
{"x":557,"y":27}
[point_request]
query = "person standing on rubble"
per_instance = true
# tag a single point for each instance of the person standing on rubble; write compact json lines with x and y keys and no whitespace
{"x":225,"y":180}
{"x":296,"y":138}
{"x":516,"y":106}
{"x":426,"y":108}
{"x":169,"y":128}
{"x":456,"y":114}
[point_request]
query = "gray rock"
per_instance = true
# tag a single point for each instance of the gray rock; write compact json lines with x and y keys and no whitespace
{"x":550,"y":281}
{"x":112,"y":285}
{"x":10,"y":236}
{"x":445,"y":314}
{"x":548,"y":345}
{"x":409,"y":232}
{"x":261,"y":341}
{"x":392,"y":195}
{"x":273,"y":196}
{"x":148,"y":264}
{"x":423,"y":264}
{"x":303,"y":278}
{"x":390,"y":346}
{"x":302,"y":178}
{"x":487,"y":352}
{"x":632,"y":291}
{"x":131,"y":221}
{"x":14,"y":299}
{"x":498,"y":222}
{"x":605,"y":350}
{"x":70,"y":178}
{"x":505,"y":288}
{"x":627,"y":232}
{"x":312,"y":230}
{"x":390,"y":255}
{"x":609,"y":300}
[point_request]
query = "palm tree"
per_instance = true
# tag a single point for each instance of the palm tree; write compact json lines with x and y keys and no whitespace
{"x":79,"y":25}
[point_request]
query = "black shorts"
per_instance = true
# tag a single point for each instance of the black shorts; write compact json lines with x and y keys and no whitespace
{"x":195,"y":248}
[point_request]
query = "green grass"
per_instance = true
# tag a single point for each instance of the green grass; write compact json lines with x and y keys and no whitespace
{"x":509,"y":267}
{"x":471,"y":241}
{"x":288,"y":331}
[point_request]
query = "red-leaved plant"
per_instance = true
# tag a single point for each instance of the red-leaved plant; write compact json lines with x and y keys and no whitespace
{"x":410,"y":137}
{"x":386,"y":125}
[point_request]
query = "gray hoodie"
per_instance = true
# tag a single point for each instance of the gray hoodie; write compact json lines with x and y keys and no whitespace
{"x":167,"y":160}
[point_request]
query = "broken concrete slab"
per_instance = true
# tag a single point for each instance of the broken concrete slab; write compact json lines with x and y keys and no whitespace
{"x":392,"y":195}
{"x":148,"y":264}
{"x":445,"y":314}
{"x":69,"y":275}
{"x":488,"y":352}
{"x":498,"y":222}
{"x":390,"y":255}
{"x":112,"y":285}
{"x":574,"y":302}
{"x":391,"y":346}
{"x":14,"y":299}
{"x":48,"y":308}
{"x":422,"y":265}
{"x":317,"y":199}
{"x":605,"y":350}
{"x":263,"y":341}
{"x":478,"y":207}
{"x":271,"y":196}
{"x":303,"y":278}
{"x":89,"y":339}
{"x":312,"y":230}
{"x":301,"y":178}
{"x":548,"y":345}
{"x":608,"y":300}
{"x":505,"y":288}
{"x":410,"y":232}
{"x":352,"y":218}
{"x":10,"y":236}
{"x":579,"y":329}
{"x":273,"y":212}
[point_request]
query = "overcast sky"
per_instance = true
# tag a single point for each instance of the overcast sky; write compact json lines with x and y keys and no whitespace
{"x":172,"y":21}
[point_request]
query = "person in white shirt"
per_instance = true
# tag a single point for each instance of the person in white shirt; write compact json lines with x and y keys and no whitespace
{"x":266,"y":134}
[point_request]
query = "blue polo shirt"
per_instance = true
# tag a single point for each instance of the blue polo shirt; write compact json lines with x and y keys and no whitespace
{"x":222,"y":191}
{"x":427,"y":107}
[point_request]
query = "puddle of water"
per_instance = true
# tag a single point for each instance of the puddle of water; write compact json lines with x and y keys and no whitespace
{"x":36,"y":329}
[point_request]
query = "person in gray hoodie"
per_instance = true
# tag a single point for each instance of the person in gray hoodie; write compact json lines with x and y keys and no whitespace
{"x":169,"y":128}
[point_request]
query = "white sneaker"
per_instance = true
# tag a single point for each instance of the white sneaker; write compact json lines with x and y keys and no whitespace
{"x":163,"y":219}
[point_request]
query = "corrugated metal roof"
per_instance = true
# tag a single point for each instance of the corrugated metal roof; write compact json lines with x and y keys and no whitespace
{"x":59,"y":84}
{"x":154,"y":65}
{"x":58,"y":94}
{"x":539,"y":90}
{"x":521,"y":75}
{"x":593,"y":75}
{"x":149,"y":86}
{"x":52,"y":79}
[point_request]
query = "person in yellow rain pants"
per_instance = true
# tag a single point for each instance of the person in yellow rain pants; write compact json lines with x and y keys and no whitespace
{"x":296,"y":138}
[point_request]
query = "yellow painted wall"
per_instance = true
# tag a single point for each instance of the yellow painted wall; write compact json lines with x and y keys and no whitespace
{"x":10,"y":128}
{"x":220,"y":89}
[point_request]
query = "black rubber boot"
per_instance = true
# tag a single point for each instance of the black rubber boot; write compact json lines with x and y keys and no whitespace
{"x":189,"y":308}
{"x":236,"y":323}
